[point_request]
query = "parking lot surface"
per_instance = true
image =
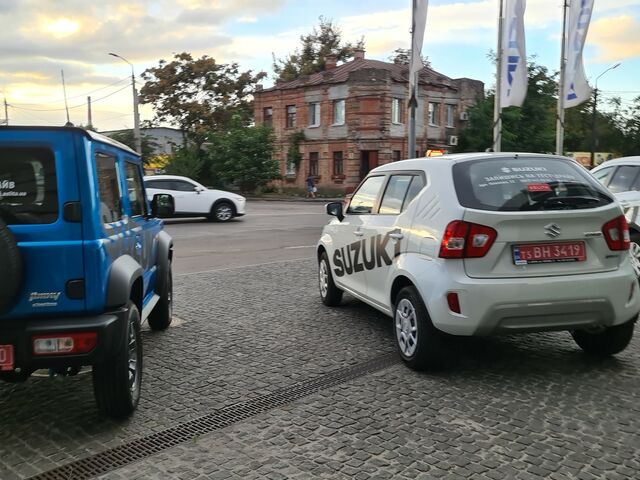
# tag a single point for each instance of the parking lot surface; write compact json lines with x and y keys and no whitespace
{"x":256,"y":344}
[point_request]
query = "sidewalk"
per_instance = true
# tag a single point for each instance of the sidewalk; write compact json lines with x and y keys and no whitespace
{"x":286,"y":198}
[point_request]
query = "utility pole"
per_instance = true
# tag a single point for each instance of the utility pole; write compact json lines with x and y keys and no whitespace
{"x":6,"y":112}
{"x":136,"y":114}
{"x":594,"y":112}
{"x":497,"y":108}
{"x":66,"y":105}
{"x":89,"y":120}
{"x":561,"y":92}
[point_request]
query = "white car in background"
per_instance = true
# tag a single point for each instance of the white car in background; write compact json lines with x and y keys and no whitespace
{"x":480,"y":244}
{"x":192,"y":199}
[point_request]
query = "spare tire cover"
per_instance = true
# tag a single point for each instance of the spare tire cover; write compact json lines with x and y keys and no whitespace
{"x":11,"y":275}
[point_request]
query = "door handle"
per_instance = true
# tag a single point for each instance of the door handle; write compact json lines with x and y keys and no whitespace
{"x":396,"y":235}
{"x":358,"y":233}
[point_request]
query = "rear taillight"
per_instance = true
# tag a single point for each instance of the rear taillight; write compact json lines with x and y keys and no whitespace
{"x":616,"y":233}
{"x":466,"y":240}
{"x":64,"y":343}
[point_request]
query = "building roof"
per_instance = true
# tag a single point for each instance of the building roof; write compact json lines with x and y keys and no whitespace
{"x":340,"y":74}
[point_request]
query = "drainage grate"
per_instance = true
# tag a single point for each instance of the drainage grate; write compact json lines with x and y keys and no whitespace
{"x":141,"y":448}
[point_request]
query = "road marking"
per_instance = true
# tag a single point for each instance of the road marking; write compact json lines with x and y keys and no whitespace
{"x":299,"y":246}
{"x":242,"y":266}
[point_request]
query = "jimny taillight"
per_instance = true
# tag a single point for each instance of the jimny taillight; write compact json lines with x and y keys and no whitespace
{"x":466,"y":240}
{"x":64,"y":343}
{"x":616,"y":233}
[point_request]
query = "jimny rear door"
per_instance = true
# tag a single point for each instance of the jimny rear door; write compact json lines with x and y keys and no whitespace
{"x":38,"y":179}
{"x":549,"y":215}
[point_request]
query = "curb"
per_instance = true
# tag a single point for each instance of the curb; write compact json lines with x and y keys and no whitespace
{"x":294,"y":199}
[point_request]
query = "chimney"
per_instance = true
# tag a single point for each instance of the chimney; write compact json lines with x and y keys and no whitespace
{"x":358,"y":54}
{"x":330,"y":61}
{"x":259,"y":87}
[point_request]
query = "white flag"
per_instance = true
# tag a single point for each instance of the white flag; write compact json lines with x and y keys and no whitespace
{"x":576,"y":88}
{"x":513,"y":77}
{"x":417,"y":38}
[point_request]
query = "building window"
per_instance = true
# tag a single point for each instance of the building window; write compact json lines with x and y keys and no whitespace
{"x":313,"y":164}
{"x":396,"y":155}
{"x":338,"y":164}
{"x":434,"y":112}
{"x":267,"y":116}
{"x":314,"y":114}
{"x":396,"y":110}
{"x":450,"y":111}
{"x":291,"y":116}
{"x":338,"y":112}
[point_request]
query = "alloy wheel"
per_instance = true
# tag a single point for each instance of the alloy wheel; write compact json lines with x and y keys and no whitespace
{"x":406,"y":327}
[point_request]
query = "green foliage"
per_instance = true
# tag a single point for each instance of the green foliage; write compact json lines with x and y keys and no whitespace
{"x":326,"y":38}
{"x":293,"y":151}
{"x":402,"y":56}
{"x":199,"y":95}
{"x":242,"y":156}
{"x":149,"y":146}
{"x":187,"y":162}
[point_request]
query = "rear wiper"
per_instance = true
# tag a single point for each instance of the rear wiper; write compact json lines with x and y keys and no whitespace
{"x":578,"y":201}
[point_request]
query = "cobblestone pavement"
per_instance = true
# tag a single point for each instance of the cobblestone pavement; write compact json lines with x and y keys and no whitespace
{"x":511,"y":407}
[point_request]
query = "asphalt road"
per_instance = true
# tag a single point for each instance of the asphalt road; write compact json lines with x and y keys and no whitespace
{"x":269,"y":232}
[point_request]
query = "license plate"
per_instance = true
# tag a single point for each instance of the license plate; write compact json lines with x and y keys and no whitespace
{"x":549,"y":253}
{"x":6,"y":358}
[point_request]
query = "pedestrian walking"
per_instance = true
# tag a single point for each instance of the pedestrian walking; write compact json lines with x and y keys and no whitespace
{"x":311,"y":187}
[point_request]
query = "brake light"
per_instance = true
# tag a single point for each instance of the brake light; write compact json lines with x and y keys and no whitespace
{"x":454,"y":302}
{"x":64,"y":343}
{"x":466,"y":240}
{"x":616,"y":233}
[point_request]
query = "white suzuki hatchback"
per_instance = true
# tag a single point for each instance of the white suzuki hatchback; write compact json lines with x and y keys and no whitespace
{"x":479,"y":244}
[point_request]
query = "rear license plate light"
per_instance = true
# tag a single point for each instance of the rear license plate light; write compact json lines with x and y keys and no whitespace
{"x":6,"y":358}
{"x":534,"y":253}
{"x":64,"y":343}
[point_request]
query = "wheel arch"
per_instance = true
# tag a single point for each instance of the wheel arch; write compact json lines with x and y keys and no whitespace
{"x":400,"y":282}
{"x":225,"y":200}
{"x":124,"y":283}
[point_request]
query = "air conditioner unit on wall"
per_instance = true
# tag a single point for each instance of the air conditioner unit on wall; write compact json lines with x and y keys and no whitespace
{"x":453,"y":140}
{"x":464,"y":116}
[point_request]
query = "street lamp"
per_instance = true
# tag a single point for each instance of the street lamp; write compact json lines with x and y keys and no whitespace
{"x":136,"y":115}
{"x":593,"y":114}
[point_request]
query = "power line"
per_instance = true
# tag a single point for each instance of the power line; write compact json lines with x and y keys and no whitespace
{"x":70,"y":108}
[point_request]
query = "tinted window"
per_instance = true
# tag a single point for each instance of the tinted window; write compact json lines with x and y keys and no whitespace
{"x":108,"y":188}
{"x":523,"y":184}
{"x":394,"y":194}
{"x":160,"y":184}
{"x":623,"y":178}
{"x":603,"y":175}
{"x":28,"y":188}
{"x":417,"y":184}
{"x":134,"y":188}
{"x":364,"y":199}
{"x":181,"y":186}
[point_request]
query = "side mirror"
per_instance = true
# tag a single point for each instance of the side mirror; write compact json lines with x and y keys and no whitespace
{"x":199,"y":189}
{"x":335,"y":209}
{"x":162,"y":205}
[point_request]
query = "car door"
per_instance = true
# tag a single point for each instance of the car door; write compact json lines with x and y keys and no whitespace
{"x":188,"y":198}
{"x":142,"y":231}
{"x":389,"y":231}
{"x":347,"y":236}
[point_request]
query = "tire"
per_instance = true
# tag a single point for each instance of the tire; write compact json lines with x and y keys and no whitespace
{"x":161,"y":315}
{"x":117,"y":394}
{"x":12,"y":269}
{"x":607,"y":342}
{"x":222,"y":212}
{"x":419,"y":343}
{"x":330,"y":294}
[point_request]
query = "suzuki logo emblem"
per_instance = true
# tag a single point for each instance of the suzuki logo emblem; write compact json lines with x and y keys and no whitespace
{"x":552,"y":230}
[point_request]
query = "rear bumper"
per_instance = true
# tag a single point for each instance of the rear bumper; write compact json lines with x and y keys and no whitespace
{"x":110,"y":327}
{"x":493,"y":306}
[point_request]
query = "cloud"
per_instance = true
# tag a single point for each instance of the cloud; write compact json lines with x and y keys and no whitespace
{"x":615,"y":38}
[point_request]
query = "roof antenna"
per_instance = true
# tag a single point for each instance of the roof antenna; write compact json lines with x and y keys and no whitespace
{"x":66,"y":105}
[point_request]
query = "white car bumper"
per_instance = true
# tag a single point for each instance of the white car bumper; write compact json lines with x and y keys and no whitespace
{"x":240,"y":205}
{"x":569,"y":302}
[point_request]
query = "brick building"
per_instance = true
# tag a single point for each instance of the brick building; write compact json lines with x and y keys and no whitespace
{"x":354,"y":117}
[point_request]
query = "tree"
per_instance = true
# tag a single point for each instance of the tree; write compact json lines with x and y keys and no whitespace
{"x":186,"y":162}
{"x":402,"y":56}
{"x":243,"y":156}
{"x":149,"y":146}
{"x":325,"y":39}
{"x":199,"y":95}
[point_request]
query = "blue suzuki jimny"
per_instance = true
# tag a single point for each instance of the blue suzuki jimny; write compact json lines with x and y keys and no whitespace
{"x":84,"y":260}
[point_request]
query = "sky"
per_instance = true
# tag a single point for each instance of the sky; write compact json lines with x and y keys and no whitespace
{"x":39,"y":38}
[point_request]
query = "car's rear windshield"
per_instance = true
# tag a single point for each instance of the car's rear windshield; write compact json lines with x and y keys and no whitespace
{"x":526,"y":184}
{"x":28,"y":188}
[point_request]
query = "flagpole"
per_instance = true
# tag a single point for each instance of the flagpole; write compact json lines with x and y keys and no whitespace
{"x":497,"y":108}
{"x":413,"y":103}
{"x":561,"y":92}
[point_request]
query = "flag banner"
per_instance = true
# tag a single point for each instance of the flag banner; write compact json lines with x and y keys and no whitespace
{"x":513,"y":77}
{"x":576,"y":88}
{"x":417,"y":38}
